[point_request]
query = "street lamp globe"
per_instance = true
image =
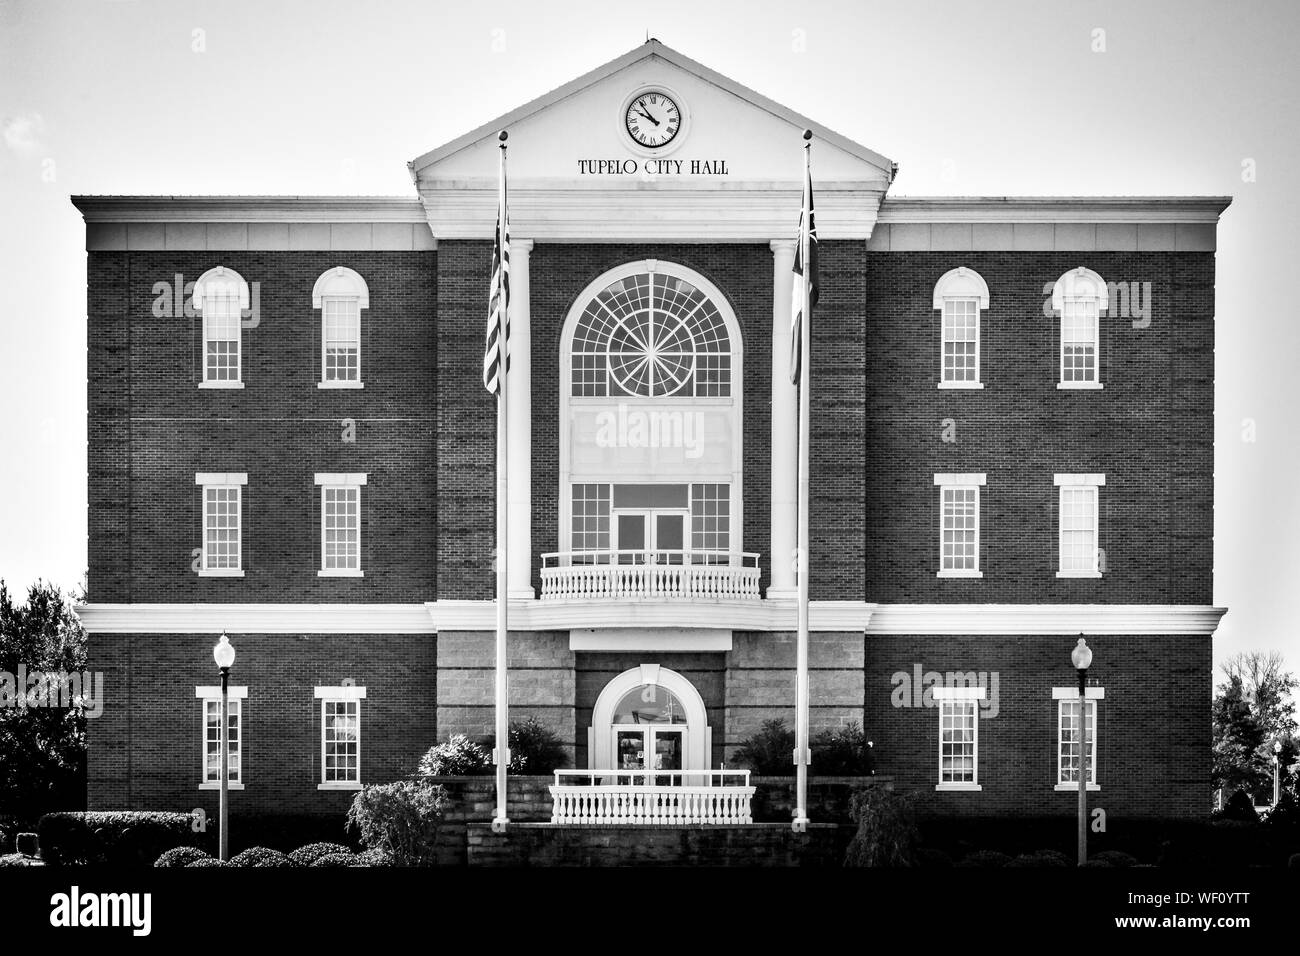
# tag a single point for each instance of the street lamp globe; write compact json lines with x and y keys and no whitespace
{"x":1277,"y":747}
{"x":1081,"y":656}
{"x":224,"y":653}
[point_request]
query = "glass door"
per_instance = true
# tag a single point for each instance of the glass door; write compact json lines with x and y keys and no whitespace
{"x":650,"y":534}
{"x":669,"y":536}
{"x":633,"y":531}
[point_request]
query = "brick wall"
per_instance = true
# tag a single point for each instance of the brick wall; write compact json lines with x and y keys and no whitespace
{"x":1153,"y":725}
{"x":145,"y":751}
{"x":1150,"y":430}
{"x":151,"y":429}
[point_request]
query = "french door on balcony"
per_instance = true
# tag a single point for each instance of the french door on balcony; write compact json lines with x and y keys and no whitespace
{"x":650,"y":534}
{"x":650,"y":748}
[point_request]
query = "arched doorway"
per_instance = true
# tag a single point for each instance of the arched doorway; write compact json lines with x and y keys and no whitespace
{"x":649,"y":718}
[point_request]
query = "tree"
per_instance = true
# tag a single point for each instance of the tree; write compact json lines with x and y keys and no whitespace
{"x":1268,"y":690}
{"x":1238,"y":739}
{"x":42,"y":730}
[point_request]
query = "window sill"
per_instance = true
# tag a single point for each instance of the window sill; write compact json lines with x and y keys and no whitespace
{"x":960,"y":574}
{"x":221,"y":573}
{"x":1078,"y":574}
{"x":340,"y":384}
{"x":961,"y":385}
{"x":217,"y":786}
{"x":1074,"y":787}
{"x":338,"y":786}
{"x":221,"y":384}
{"x":1079,"y":386}
{"x":341,"y":573}
{"x":958,"y":787}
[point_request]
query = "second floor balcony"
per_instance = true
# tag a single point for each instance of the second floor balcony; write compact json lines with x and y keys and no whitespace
{"x":650,"y":575}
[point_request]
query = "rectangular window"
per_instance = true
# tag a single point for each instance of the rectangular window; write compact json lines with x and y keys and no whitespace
{"x":1079,"y":333}
{"x":340,"y":737}
{"x":711,"y":522}
{"x":221,"y":325}
{"x":1068,"y":737}
{"x":958,"y":737}
{"x":222,"y":523}
{"x":959,"y":525}
{"x":340,"y":522}
{"x":1080,"y":552}
{"x":341,"y":340}
{"x":961,"y":359}
{"x":210,"y":697}
{"x":589,"y":517}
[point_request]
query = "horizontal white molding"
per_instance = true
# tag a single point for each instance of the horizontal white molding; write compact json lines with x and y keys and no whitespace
{"x":243,"y":209}
{"x":1053,"y":209}
{"x":649,"y":639}
{"x":1072,"y":693}
{"x":768,"y":615}
{"x":341,"y":478}
{"x":221,"y":478}
{"x":1080,"y":478}
{"x":959,"y":693}
{"x":341,"y":692}
{"x":214,"y":692}
{"x":960,"y":478}
{"x":997,"y":619}
{"x":1043,"y":236}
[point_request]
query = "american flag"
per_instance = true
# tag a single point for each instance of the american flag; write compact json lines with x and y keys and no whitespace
{"x":498,"y":325}
{"x":807,"y":239}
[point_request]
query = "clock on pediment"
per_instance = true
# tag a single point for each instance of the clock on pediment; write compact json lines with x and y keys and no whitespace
{"x":654,"y":119}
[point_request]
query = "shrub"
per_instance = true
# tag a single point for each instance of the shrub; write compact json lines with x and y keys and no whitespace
{"x":534,"y":748}
{"x":118,"y":837}
{"x":181,"y":856}
{"x":928,"y":857}
{"x":1115,"y":858}
{"x":375,"y":857}
{"x":336,"y":860}
{"x":887,"y":831}
{"x":260,"y":856}
{"x":401,"y":818}
{"x":1095,"y":864}
{"x":985,"y":859}
{"x":1240,"y":807}
{"x":309,"y":854}
{"x":205,"y":861}
{"x":768,"y":753}
{"x":1286,"y":814}
{"x":1041,"y":858}
{"x":842,"y":753}
{"x":457,"y":756}
{"x":17,"y":859}
{"x":27,"y":844}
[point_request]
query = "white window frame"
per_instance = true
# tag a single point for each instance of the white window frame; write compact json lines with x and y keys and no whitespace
{"x":960,"y":481}
{"x":336,"y":480}
{"x":1079,"y":285}
{"x":961,"y":285}
{"x":210,"y":480}
{"x":212,"y":695}
{"x":972,"y":696}
{"x":224,"y":278}
{"x":340,"y":284}
{"x":1062,"y":695}
{"x":1092,"y":483}
{"x":327,"y":695}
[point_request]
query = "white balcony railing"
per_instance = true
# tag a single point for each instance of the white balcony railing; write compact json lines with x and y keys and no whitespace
{"x":659,"y":797}
{"x":614,"y":575}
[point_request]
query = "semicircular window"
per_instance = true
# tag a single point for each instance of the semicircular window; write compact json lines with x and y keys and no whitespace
{"x":652,"y":335}
{"x":649,"y":705}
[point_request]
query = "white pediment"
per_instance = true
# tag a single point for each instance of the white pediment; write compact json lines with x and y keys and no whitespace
{"x":733,"y":172}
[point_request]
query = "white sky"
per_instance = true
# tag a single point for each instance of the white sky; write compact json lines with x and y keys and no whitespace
{"x":109,"y":96}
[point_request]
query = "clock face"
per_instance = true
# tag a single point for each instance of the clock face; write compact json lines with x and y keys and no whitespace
{"x":653,"y":119}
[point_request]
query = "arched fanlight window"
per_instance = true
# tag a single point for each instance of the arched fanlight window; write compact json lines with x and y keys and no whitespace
{"x":340,"y":293}
{"x":650,"y":704}
{"x":961,"y":294}
{"x":1079,"y":297}
{"x":651,"y":334}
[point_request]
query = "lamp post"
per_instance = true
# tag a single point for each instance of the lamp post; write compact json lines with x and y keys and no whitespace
{"x":1277,"y":760}
{"x":1081,"y":658}
{"x":224,"y":655}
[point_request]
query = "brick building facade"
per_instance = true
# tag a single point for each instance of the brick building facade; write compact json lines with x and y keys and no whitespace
{"x":1011,"y":443}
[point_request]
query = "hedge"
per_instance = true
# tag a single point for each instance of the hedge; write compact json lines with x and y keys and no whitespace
{"x":116,"y":837}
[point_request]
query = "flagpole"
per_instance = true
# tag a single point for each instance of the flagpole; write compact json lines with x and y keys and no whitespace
{"x":802,"y":756}
{"x":501,"y":753}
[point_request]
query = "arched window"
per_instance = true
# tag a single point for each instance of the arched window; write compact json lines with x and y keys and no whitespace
{"x":960,"y":294}
{"x":340,"y":294}
{"x":220,"y":295}
{"x":650,"y":704}
{"x":651,"y":334}
{"x":1079,"y":297}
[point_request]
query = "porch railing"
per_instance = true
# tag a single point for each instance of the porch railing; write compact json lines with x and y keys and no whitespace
{"x":663,"y":797}
{"x":614,"y":575}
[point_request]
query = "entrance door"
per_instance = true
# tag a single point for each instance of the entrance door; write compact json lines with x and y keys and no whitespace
{"x":650,"y":535}
{"x":651,"y":748}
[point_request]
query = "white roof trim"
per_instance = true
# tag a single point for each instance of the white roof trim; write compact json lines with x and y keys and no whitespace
{"x":1054,"y":209}
{"x":649,"y":49}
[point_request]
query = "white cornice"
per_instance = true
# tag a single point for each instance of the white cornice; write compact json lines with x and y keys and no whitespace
{"x":244,"y":209}
{"x":773,"y":615}
{"x":1062,"y":209}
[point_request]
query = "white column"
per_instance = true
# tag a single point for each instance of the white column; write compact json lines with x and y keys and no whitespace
{"x":519,"y":412}
{"x":785,"y":409}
